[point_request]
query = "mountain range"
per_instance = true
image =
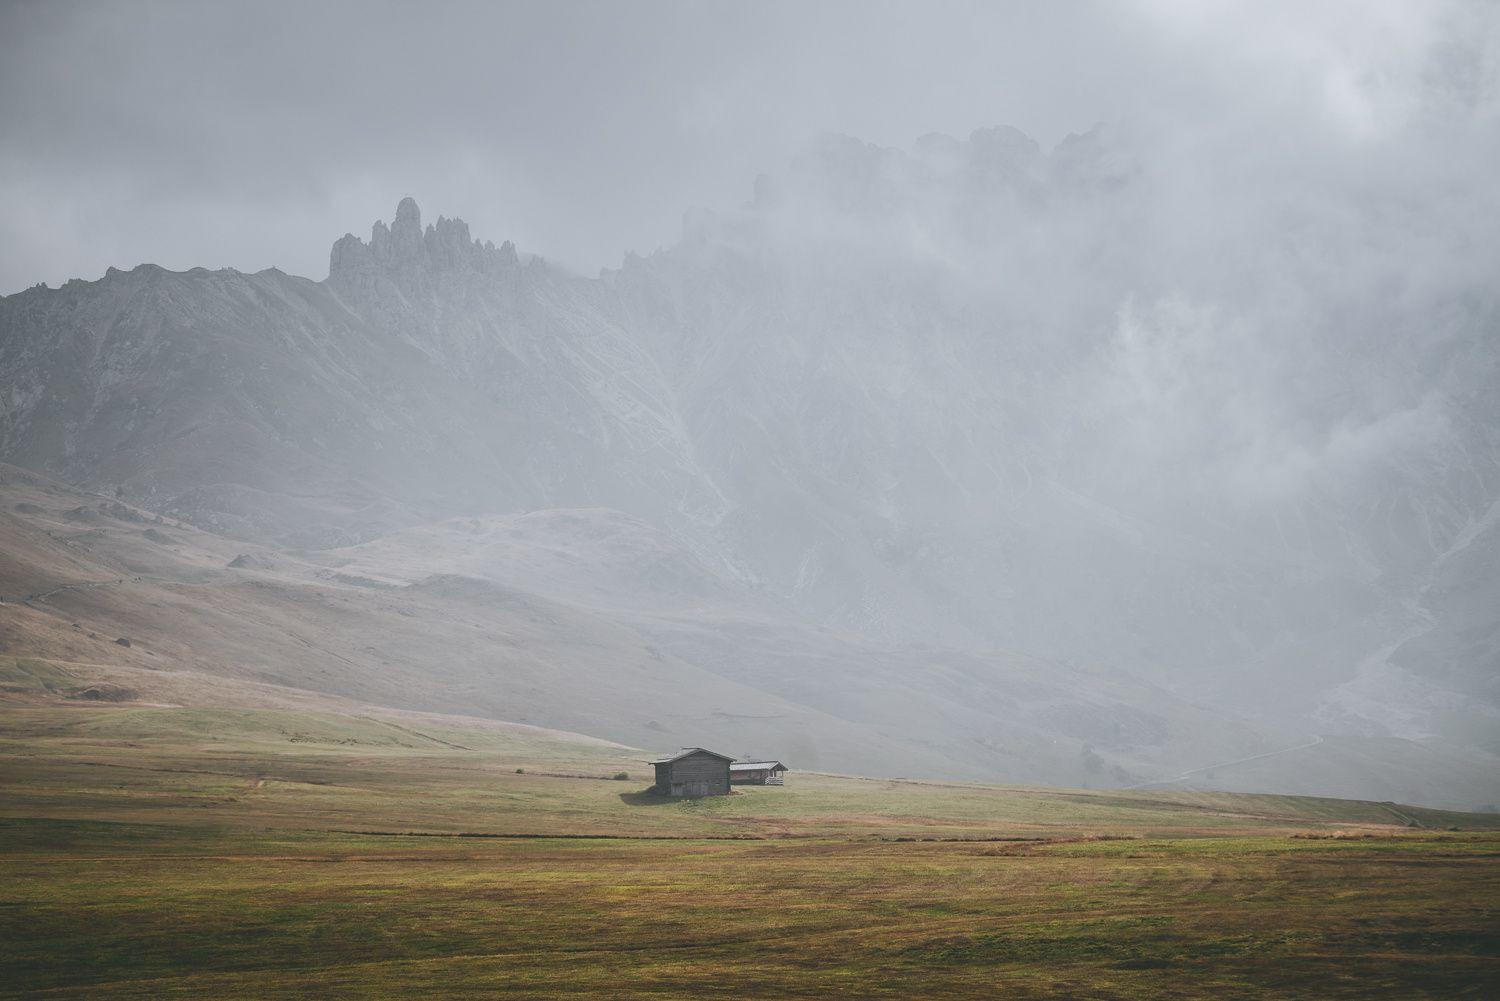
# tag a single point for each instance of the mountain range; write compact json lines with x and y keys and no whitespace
{"x":970,"y":460}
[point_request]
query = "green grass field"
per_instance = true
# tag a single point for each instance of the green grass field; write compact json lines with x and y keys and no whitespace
{"x":157,"y":852}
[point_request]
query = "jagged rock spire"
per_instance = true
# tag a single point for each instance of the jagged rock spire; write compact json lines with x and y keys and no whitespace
{"x":405,"y":248}
{"x":406,"y":235}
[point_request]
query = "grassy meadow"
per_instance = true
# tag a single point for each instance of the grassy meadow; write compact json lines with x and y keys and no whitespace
{"x":163,"y":852}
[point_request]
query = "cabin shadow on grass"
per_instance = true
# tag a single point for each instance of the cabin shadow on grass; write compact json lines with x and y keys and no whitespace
{"x":651,"y":796}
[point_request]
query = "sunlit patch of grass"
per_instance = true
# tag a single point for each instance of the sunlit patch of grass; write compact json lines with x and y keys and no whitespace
{"x":24,"y":673}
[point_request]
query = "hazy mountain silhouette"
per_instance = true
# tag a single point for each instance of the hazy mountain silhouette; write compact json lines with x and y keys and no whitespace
{"x":967,"y":398}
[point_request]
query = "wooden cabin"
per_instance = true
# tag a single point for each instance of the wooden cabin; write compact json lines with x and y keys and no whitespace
{"x":693,"y":771}
{"x":757,"y":773}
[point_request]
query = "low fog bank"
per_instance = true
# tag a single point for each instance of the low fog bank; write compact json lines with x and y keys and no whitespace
{"x":1220,"y":414}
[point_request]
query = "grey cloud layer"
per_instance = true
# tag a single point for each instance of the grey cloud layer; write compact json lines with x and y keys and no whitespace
{"x":192,"y":134}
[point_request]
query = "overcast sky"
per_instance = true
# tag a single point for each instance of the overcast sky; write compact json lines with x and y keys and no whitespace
{"x":250,"y":135}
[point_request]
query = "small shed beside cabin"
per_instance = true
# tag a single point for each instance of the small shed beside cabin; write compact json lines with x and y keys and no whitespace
{"x":757,"y":773}
{"x":693,"y":771}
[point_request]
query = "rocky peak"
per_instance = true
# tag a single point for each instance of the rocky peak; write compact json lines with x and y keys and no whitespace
{"x":406,"y":252}
{"x":408,"y":215}
{"x":449,"y":246}
{"x":405,"y":246}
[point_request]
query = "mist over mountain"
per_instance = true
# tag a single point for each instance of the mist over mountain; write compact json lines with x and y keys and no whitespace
{"x":1011,"y":454}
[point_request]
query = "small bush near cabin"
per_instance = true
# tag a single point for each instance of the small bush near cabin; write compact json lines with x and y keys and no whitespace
{"x":622,"y":776}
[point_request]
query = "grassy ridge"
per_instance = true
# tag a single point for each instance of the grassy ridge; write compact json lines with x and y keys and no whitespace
{"x":153,"y":852}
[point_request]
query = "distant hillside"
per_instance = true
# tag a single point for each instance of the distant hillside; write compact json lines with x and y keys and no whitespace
{"x":912,"y":407}
{"x":536,"y":619}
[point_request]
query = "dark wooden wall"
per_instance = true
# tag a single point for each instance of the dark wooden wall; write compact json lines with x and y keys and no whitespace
{"x":698,"y":774}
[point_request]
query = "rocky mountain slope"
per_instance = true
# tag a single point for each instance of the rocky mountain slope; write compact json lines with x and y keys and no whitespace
{"x":964,"y":398}
{"x":519,"y":619}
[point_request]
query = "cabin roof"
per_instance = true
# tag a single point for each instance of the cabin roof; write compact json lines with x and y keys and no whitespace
{"x":687,"y":751}
{"x":755,"y":766}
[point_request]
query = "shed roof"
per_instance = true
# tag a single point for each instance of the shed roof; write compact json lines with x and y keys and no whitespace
{"x":687,"y":751}
{"x":754,"y":766}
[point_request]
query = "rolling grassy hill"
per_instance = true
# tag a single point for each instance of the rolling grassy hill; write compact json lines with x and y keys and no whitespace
{"x":591,"y":622}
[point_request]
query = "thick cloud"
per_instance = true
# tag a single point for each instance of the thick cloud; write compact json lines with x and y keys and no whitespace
{"x":250,"y":135}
